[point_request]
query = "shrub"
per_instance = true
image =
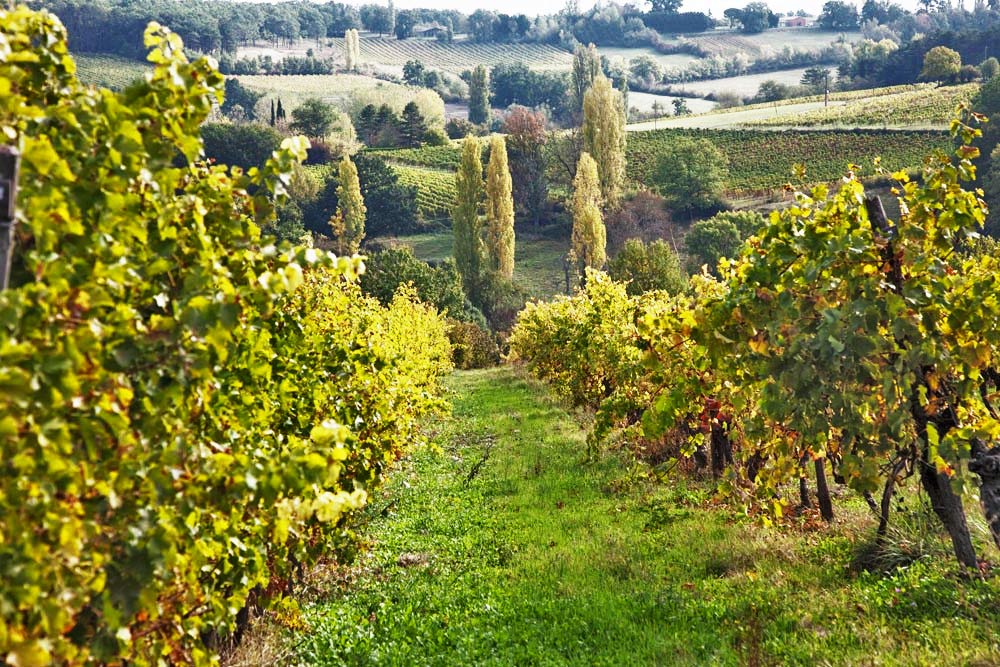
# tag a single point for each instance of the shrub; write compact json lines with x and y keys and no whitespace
{"x":643,"y":268}
{"x":500,"y":300}
{"x":389,"y":269}
{"x":643,"y":217}
{"x":239,"y":145}
{"x":989,"y":68}
{"x":968,"y":73}
{"x":710,"y":240}
{"x":747,"y":223}
{"x":175,"y":396}
{"x":472,"y":345}
{"x":436,"y":137}
{"x":459,"y":128}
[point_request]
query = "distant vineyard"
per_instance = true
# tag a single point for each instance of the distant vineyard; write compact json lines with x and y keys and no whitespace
{"x":838,"y":96}
{"x":108,"y":71}
{"x":462,"y":55}
{"x":434,"y":157}
{"x":760,"y":160}
{"x":435,"y":190}
{"x":915,"y":107}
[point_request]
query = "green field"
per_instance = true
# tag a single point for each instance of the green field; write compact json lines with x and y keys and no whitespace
{"x":505,"y":548}
{"x":538,"y":259}
{"x":761,"y":160}
{"x":336,"y":89}
{"x":108,"y":71}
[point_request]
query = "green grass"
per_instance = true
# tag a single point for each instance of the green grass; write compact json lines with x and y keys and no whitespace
{"x":106,"y":71}
{"x":505,"y":548}
{"x":538,"y":259}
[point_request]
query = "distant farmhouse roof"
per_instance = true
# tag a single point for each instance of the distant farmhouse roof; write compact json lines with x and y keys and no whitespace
{"x":428,"y":30}
{"x":796,"y":22}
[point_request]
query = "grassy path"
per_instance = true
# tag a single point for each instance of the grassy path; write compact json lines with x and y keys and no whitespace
{"x":504,"y":548}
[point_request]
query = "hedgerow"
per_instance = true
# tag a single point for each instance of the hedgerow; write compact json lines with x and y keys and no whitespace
{"x":188,"y":414}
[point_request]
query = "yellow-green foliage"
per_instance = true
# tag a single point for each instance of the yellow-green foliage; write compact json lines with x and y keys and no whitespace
{"x":465,"y":214}
{"x":581,"y":345}
{"x":499,"y":210}
{"x":591,"y":348}
{"x":350,"y":209}
{"x":604,"y":136}
{"x":589,"y":240}
{"x":183,"y":415}
{"x":836,"y":335}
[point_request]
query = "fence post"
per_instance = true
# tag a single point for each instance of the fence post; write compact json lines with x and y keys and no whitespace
{"x":10,"y":161}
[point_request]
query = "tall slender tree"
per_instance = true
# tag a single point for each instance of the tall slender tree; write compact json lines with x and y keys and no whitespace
{"x":604,"y":137}
{"x":348,"y":223}
{"x":479,"y":96}
{"x":589,"y":241}
{"x":352,"y":49}
{"x":525,"y":141}
{"x":465,"y":216}
{"x":499,"y":211}
{"x":586,"y":67}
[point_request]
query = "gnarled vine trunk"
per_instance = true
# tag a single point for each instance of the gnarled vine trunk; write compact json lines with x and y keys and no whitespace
{"x":986,"y":464}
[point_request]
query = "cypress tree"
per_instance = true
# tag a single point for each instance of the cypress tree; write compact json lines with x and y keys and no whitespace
{"x":479,"y":96}
{"x":589,"y":236}
{"x":413,"y":128}
{"x":367,"y":127}
{"x":272,"y":113}
{"x":281,"y":111}
{"x":465,"y":216}
{"x":499,"y":210}
{"x":348,"y":222}
{"x":604,"y":137}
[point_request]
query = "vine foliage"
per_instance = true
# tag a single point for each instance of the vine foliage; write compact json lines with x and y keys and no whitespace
{"x":189,"y":413}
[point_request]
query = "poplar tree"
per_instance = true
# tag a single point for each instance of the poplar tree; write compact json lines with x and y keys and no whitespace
{"x":499,"y":210}
{"x":348,"y":222}
{"x":586,"y":67}
{"x":479,"y":96}
{"x":589,"y":236}
{"x":604,"y":137}
{"x":352,"y":49}
{"x":465,"y":215}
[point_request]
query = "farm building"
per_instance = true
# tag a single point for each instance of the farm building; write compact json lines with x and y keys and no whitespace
{"x":795,"y":22}
{"x":429,"y":30}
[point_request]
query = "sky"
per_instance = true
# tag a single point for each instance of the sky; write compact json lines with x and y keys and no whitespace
{"x":532,"y":7}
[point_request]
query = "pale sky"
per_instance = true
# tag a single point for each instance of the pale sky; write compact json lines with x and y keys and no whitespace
{"x":532,"y":7}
